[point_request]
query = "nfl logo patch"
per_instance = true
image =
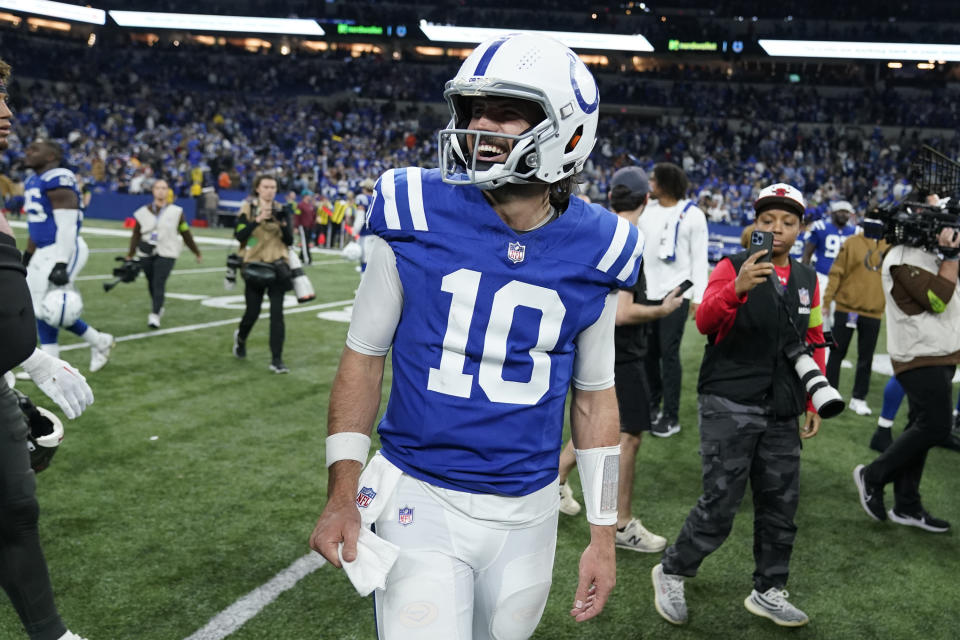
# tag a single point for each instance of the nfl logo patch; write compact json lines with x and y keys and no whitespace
{"x":365,"y":497}
{"x":406,"y":516}
{"x":516,"y":252}
{"x":804,"y":297}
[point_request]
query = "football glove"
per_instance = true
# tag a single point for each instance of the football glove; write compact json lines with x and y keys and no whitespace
{"x":58,"y":275}
{"x":62,"y":383}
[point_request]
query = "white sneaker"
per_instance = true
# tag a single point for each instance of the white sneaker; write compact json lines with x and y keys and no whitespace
{"x":153,"y":320}
{"x":668,"y":596}
{"x":860,"y":407}
{"x":100,"y":355}
{"x":773,"y":604}
{"x":568,"y":504}
{"x":636,"y":537}
{"x":70,"y":635}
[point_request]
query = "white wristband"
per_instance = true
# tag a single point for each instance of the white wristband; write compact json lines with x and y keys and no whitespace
{"x":347,"y":445}
{"x":599,"y":477}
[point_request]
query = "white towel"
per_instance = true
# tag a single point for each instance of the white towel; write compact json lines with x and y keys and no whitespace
{"x":377,"y":484}
{"x":375,"y":558}
{"x":668,"y":236}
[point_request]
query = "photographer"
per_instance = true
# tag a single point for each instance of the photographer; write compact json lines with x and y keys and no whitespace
{"x":923,"y":338}
{"x":265,"y":234}
{"x":755,"y":308}
{"x":156,"y":241}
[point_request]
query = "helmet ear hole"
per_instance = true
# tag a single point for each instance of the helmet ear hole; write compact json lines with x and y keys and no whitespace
{"x":574,"y":139}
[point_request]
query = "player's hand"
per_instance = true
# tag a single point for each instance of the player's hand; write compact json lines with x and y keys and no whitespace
{"x":339,"y":522}
{"x":598,"y":574}
{"x":752,"y":273}
{"x":58,"y":275}
{"x":693,"y":310}
{"x":199,"y":258}
{"x":811,"y":425}
{"x":62,"y":383}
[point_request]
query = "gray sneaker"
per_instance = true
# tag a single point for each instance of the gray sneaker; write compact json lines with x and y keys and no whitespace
{"x":773,"y":604}
{"x":636,"y":537}
{"x":668,"y":596}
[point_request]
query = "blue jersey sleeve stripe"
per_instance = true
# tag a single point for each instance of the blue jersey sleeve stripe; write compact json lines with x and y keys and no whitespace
{"x":415,"y":199}
{"x":388,"y":187}
{"x":616,"y":245}
{"x":631,"y":266}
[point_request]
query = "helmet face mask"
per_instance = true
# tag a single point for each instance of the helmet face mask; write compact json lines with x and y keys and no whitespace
{"x":535,"y":69}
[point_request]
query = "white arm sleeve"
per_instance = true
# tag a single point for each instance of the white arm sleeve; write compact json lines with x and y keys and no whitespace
{"x":379,"y":302}
{"x":66,"y":241}
{"x":596,"y":354}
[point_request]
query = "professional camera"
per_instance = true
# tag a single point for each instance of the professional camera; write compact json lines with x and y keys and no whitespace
{"x":917,"y":223}
{"x":234,"y":262}
{"x":126,"y":272}
{"x":826,"y":400}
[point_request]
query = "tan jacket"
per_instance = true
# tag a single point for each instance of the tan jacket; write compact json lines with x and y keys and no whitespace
{"x":855,"y":281}
{"x":266,"y":243}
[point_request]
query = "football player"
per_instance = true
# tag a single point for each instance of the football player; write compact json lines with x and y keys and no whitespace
{"x":23,"y":569}
{"x":824,"y":239}
{"x":56,"y":253}
{"x":496,"y":291}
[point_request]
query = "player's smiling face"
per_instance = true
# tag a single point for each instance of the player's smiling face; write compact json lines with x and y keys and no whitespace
{"x":500,"y":115}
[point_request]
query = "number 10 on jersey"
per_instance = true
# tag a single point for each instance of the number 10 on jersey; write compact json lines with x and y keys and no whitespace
{"x":450,"y":379}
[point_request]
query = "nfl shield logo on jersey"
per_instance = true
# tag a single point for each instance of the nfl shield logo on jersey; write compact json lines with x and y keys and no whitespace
{"x":516,"y":252}
{"x":365,"y":497}
{"x":406,"y":516}
{"x":804,"y":297}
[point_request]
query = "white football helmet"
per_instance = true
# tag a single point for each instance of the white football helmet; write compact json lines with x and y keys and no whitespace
{"x":529,"y":67}
{"x":61,"y":307}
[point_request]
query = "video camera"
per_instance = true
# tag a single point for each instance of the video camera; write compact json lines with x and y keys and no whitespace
{"x":916,"y":223}
{"x":126,"y":272}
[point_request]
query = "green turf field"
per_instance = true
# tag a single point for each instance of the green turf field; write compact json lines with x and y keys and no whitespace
{"x":195,"y":478}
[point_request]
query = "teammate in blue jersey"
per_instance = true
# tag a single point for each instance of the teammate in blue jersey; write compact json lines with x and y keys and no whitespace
{"x":497,"y":292}
{"x":56,"y":253}
{"x":825,"y":237}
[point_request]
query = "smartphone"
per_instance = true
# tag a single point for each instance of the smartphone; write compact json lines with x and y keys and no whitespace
{"x":683,"y":286}
{"x":761,"y":241}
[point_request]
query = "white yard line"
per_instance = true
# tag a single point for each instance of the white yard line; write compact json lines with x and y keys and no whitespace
{"x":207,"y":325}
{"x":237,"y":614}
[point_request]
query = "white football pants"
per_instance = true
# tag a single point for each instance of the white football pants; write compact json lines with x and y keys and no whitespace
{"x":42,"y":263}
{"x":457,"y":578}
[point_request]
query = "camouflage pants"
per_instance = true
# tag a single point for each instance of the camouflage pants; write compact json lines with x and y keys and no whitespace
{"x":740,"y":443}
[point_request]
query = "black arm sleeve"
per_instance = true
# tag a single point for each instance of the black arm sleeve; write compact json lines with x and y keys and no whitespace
{"x":18,"y":327}
{"x":244,"y":228}
{"x":286,"y":228}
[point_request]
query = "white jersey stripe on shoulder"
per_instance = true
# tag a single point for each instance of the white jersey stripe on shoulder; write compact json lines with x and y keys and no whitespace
{"x":637,"y":252}
{"x":616,"y":245}
{"x":389,"y":189}
{"x":415,"y":199}
{"x":56,"y":173}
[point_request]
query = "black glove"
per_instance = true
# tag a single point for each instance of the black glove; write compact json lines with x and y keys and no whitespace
{"x":58,"y":275}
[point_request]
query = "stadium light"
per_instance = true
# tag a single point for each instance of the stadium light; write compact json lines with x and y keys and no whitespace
{"x":861,"y":50}
{"x":60,"y":10}
{"x":574,"y":40}
{"x":206,"y":22}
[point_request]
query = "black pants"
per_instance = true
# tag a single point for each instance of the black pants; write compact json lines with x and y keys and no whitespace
{"x":157,"y":269}
{"x":254,"y":298}
{"x":664,"y":372}
{"x":740,"y":443}
{"x":23,"y":569}
{"x":868,"y":329}
{"x":930,"y":418}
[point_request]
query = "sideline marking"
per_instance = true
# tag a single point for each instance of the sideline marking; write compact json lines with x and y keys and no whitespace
{"x":248,"y":606}
{"x":207,"y":325}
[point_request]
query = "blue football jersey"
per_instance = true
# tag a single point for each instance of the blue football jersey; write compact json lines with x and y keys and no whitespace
{"x":40,"y":222}
{"x":484,"y":350}
{"x":828,"y":239}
